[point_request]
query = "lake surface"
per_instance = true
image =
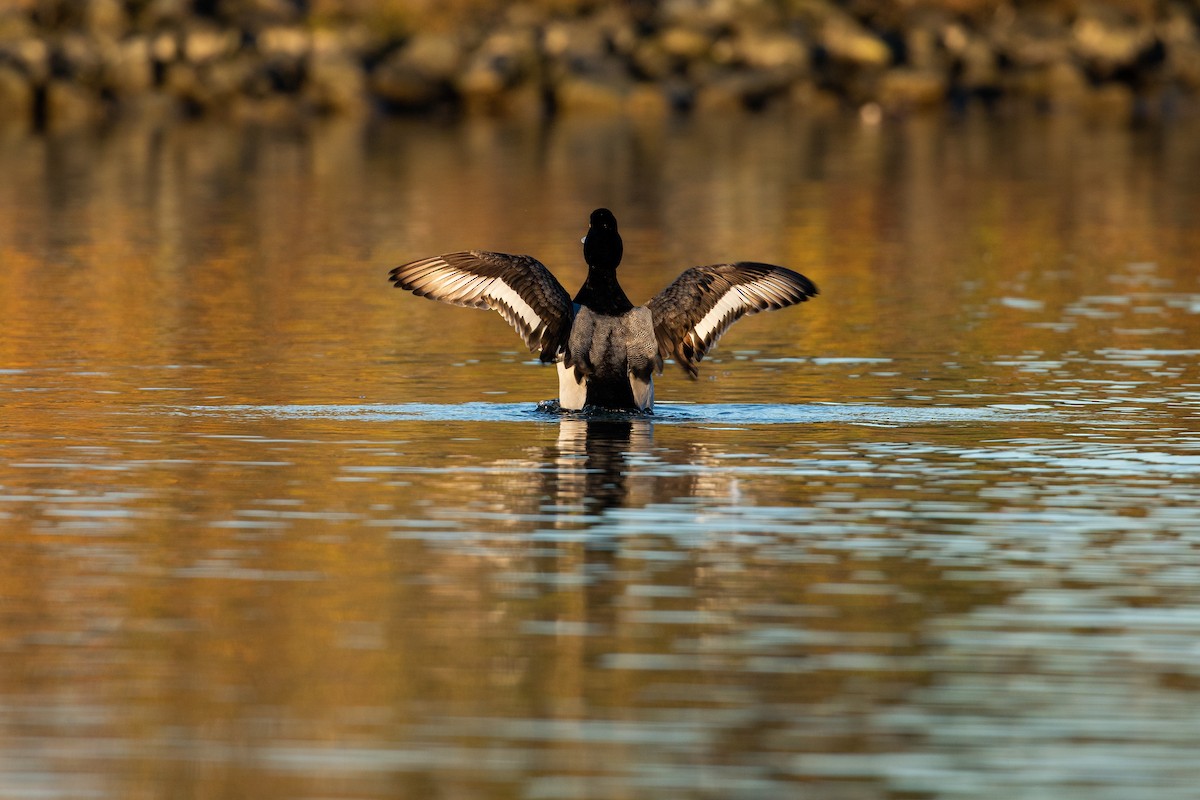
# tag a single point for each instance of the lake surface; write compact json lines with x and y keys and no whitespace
{"x":270,"y":528}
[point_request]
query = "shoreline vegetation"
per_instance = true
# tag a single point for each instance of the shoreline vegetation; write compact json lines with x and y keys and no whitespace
{"x":69,"y":63}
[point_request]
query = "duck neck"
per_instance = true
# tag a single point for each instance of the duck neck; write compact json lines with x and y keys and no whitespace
{"x":602,"y":293}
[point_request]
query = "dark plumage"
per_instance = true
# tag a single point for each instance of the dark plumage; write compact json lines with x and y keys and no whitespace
{"x":607,"y":349}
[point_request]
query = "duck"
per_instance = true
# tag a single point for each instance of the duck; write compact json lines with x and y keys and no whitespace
{"x":607,"y":350}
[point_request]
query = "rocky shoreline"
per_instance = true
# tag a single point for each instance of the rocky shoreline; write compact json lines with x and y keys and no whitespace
{"x":65,"y":63}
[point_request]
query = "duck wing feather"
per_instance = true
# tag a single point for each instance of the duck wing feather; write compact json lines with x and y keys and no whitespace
{"x":519,"y":287}
{"x":700,"y":305}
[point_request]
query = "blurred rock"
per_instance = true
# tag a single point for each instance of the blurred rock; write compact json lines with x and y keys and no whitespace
{"x":905,"y":89}
{"x":31,"y":56}
{"x":76,"y":58}
{"x":104,"y":18}
{"x":848,"y":41}
{"x":684,"y":44}
{"x":650,"y":61}
{"x":1107,"y":42}
{"x":1034,"y":40}
{"x":648,"y":100}
{"x":259,"y":58}
{"x":284,"y":41}
{"x":741,"y":90}
{"x":69,"y":105}
{"x":336,"y":80}
{"x":128,"y":69}
{"x":591,"y":95}
{"x":155,"y":15}
{"x":1183,"y":66}
{"x":506,"y":59}
{"x":283,"y":51}
{"x":204,"y":42}
{"x":773,"y":51}
{"x":256,"y":14}
{"x":977,"y":65}
{"x":421,"y":73}
{"x":16,"y":98}
{"x":575,"y":45}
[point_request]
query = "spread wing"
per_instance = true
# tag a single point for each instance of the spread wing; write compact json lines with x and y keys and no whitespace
{"x":692,"y":313}
{"x":525,"y":293}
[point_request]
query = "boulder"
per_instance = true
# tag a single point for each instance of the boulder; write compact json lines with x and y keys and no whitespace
{"x":846,"y":40}
{"x":506,"y":59}
{"x":202,"y":42}
{"x":69,"y":105}
{"x":421,"y":73}
{"x":684,"y":43}
{"x":770,"y":50}
{"x":336,"y":81}
{"x":104,"y":18}
{"x":589,"y":94}
{"x":30,"y":55}
{"x":16,"y":98}
{"x":1107,"y":43}
{"x":128,"y":67}
{"x":906,"y":89}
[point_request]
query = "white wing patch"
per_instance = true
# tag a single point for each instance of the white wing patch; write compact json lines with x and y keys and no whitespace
{"x":440,"y":280}
{"x":501,"y":292}
{"x":727,"y":309}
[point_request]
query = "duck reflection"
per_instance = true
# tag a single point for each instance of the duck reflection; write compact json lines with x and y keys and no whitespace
{"x":592,"y":461}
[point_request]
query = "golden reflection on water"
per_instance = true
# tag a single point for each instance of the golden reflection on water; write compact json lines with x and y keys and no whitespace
{"x":238,"y":564}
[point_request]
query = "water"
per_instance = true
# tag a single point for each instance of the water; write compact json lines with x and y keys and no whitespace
{"x":272,"y":529}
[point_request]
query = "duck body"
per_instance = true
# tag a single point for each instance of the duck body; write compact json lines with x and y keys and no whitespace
{"x":607,"y":350}
{"x":610,"y":361}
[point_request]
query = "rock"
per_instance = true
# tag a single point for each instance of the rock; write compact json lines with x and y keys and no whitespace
{"x":741,"y":90}
{"x":1183,"y":66}
{"x":284,"y":41}
{"x":435,"y":56}
{"x":921,"y":46}
{"x":29,"y":55}
{"x":575,"y":45}
{"x":128,"y":67}
{"x":202,"y":43}
{"x":16,"y":98}
{"x":979,"y":70}
{"x":164,"y":48}
{"x":649,"y":61}
{"x":648,"y":100}
{"x":336,"y":83}
{"x":1061,"y":85}
{"x":1034,"y":41}
{"x":506,"y":58}
{"x":771,"y":50}
{"x":420,"y":74}
{"x":905,"y":89}
{"x":156,"y":15}
{"x":76,"y":58}
{"x":1107,"y":44}
{"x":211,"y":86}
{"x":181,"y":82}
{"x":685,"y":44}
{"x":15,"y":24}
{"x":848,"y":41}
{"x":256,"y":14}
{"x":104,"y":18}
{"x":69,"y":105}
{"x":587,"y":94}
{"x":283,"y":50}
{"x":337,"y":78}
